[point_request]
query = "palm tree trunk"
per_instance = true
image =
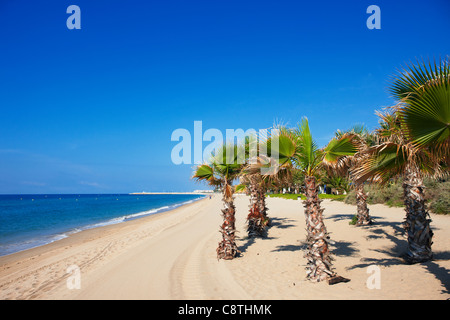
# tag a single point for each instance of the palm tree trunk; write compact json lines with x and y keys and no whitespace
{"x":362,"y":211}
{"x":417,"y":221}
{"x":262,"y":205}
{"x":227,"y":249}
{"x":256,"y":219}
{"x":254,"y":216}
{"x":318,"y":253}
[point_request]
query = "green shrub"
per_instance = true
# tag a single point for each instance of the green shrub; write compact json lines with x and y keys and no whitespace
{"x":437,"y":194}
{"x":291,"y":196}
{"x":391,"y":195}
{"x":338,"y":197}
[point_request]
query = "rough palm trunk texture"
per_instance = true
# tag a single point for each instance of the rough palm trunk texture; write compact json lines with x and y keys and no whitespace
{"x":227,"y":249}
{"x":255,"y":222}
{"x":256,"y":219}
{"x":362,"y":212}
{"x":318,"y":254}
{"x":262,"y":205}
{"x":417,"y":221}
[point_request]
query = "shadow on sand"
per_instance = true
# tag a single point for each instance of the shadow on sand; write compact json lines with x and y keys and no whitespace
{"x":399,"y":247}
{"x":280,"y":223}
{"x":380,"y":229}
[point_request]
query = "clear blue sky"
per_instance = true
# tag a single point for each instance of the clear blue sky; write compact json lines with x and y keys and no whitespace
{"x":92,"y":110}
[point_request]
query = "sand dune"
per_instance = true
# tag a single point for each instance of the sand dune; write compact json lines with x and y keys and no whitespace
{"x":171,"y":255}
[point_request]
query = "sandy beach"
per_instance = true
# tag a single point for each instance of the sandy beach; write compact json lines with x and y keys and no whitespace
{"x":171,"y":255}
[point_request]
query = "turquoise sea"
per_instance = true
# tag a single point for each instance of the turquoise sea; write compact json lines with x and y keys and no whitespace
{"x":28,"y":221}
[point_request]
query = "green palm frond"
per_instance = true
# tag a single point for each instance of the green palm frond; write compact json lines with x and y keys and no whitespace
{"x":337,"y":149}
{"x":385,"y":162}
{"x":227,"y":161}
{"x":340,"y":153}
{"x":390,"y":129}
{"x":340,"y":183}
{"x":222,"y":168}
{"x":413,"y":78}
{"x":426,"y":115}
{"x":308,"y":156}
{"x":285,"y":148}
{"x":240,"y":188}
{"x":275,"y":154}
{"x":358,"y":129}
{"x":362,"y":135}
{"x":205,"y":173}
{"x":423,"y":113}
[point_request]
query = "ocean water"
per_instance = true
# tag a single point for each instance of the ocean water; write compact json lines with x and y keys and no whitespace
{"x":28,"y":221}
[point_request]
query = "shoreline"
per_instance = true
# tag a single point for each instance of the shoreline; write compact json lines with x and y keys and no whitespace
{"x":172,"y":255}
{"x":109,"y":222}
{"x":27,"y":275}
{"x":193,"y":193}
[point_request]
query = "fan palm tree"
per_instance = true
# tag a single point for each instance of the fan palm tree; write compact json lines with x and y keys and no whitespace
{"x":255,"y":186}
{"x":257,"y":219}
{"x":363,"y":140}
{"x":297,"y":149}
{"x":220,"y":172}
{"x":257,"y":183}
{"x":414,"y":143}
{"x":298,"y":180}
{"x":338,"y":182}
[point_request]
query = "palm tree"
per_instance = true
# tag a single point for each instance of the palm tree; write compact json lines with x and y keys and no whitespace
{"x":297,"y":149}
{"x":220,"y":172}
{"x":338,"y":182}
{"x":363,"y":140}
{"x":394,"y":156}
{"x":414,"y":143}
{"x":257,"y":219}
{"x":255,"y":186}
{"x":298,"y":180}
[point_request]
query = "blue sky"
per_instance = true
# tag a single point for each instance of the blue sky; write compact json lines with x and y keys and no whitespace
{"x":92,"y":110}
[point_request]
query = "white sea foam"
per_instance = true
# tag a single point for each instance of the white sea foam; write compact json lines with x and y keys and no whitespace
{"x":6,"y":249}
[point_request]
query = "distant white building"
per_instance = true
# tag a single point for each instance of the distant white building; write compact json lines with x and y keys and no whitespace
{"x":203,"y":191}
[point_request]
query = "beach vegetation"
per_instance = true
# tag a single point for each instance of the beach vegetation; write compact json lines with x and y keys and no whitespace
{"x":300,"y":196}
{"x":403,"y":162}
{"x":363,"y":140}
{"x":437,"y":194}
{"x":297,"y":149}
{"x":255,"y":186}
{"x":221,"y":171}
{"x":414,"y":139}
